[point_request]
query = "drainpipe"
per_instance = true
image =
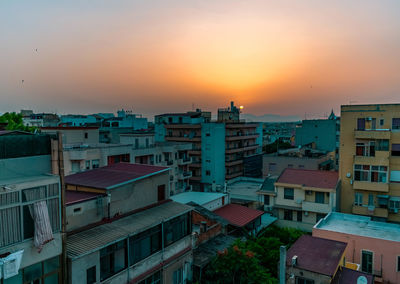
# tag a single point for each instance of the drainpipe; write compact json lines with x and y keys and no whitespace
{"x":108,"y":199}
{"x":282,"y":265}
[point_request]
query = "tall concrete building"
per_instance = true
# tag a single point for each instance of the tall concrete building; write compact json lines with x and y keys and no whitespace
{"x":370,"y":161}
{"x":219,"y":147}
{"x":30,"y":211}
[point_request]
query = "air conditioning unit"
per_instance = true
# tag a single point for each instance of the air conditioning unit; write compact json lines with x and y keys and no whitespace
{"x":368,"y":118}
{"x":305,"y":213}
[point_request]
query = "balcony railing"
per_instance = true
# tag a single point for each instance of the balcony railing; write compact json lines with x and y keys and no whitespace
{"x":370,"y":211}
{"x":183,"y":139}
{"x":372,"y":134}
{"x":371,"y":186}
{"x":380,"y":158}
{"x":316,"y":207}
{"x":184,"y":161}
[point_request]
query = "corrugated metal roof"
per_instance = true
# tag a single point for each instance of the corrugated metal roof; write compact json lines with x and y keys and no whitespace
{"x":91,"y":240}
{"x":200,"y":198}
{"x":113,"y":175}
{"x":72,"y":197}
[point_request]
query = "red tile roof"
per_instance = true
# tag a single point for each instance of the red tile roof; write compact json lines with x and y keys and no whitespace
{"x":238,"y":215}
{"x":73,"y":197}
{"x":113,"y":175}
{"x":310,"y":178}
{"x":316,"y":254}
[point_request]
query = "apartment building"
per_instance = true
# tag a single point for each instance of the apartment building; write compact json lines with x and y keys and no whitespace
{"x":174,"y":155}
{"x":82,"y":150}
{"x":219,"y":147}
{"x":30,"y":211}
{"x":122,"y":227}
{"x":370,"y":160}
{"x":373,"y":247}
{"x":303,"y":197}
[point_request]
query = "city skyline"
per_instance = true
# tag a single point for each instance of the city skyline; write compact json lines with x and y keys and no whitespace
{"x":164,"y":56}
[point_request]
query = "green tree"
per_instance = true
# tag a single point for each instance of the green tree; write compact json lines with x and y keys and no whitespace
{"x":237,"y":265}
{"x":15,"y":122}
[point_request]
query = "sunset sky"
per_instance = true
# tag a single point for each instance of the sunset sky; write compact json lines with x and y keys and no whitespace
{"x":273,"y":57}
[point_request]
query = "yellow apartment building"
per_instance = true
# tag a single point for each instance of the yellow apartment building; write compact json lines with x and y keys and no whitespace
{"x":370,"y":161}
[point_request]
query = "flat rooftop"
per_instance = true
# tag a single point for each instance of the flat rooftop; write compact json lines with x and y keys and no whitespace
{"x":244,"y":188}
{"x":359,"y":226}
{"x":199,"y":198}
{"x":113,"y":175}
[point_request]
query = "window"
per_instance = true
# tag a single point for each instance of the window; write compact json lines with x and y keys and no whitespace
{"x":290,"y":166}
{"x":95,"y":164}
{"x":207,"y":134}
{"x":144,"y":244}
{"x":47,"y":271}
{"x":75,"y":166}
{"x":358,"y":199}
{"x":370,"y":199}
{"x":18,"y":223}
{"x":319,"y":217}
{"x":366,"y":261}
{"x":395,"y":149}
{"x":394,"y":204}
{"x":87,"y":165}
{"x":288,"y":215}
{"x":301,"y":280}
{"x":361,"y":124}
{"x":112,"y":259}
{"x":152,"y":279}
{"x":398,"y":263}
{"x":136,"y":143}
{"x":320,"y":197}
{"x":370,"y":173}
{"x":365,"y":148}
{"x":147,"y":142}
{"x":208,"y":173}
{"x":178,"y":276}
{"x":381,"y":122}
{"x":176,"y":229}
{"x":288,"y":193}
{"x":299,"y":216}
{"x":395,"y":123}
{"x":301,"y":166}
{"x":383,"y":201}
{"x":161,"y":192}
{"x":382,"y":145}
{"x":272,"y":167}
{"x":266,"y":200}
{"x":91,"y":275}
{"x":86,"y":135}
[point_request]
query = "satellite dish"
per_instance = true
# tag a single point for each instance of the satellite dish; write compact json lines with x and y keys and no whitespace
{"x":362,"y":280}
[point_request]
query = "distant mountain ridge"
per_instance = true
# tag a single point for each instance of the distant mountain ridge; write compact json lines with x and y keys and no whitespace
{"x":269,"y":117}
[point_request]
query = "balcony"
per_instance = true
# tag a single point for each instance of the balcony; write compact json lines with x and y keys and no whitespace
{"x":372,"y":134}
{"x":195,"y":178}
{"x":381,"y":158}
{"x":195,"y":165}
{"x":184,"y":175}
{"x":316,"y":207}
{"x":194,"y":152}
{"x":370,"y":211}
{"x":77,"y":154}
{"x":241,"y":137}
{"x":234,"y":162}
{"x":184,"y":161}
{"x":371,"y":186}
{"x":183,"y":139}
{"x":241,"y":125}
{"x":241,"y":149}
{"x":182,"y":126}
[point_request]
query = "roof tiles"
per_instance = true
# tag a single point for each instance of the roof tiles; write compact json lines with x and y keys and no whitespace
{"x":238,"y":215}
{"x":310,"y":178}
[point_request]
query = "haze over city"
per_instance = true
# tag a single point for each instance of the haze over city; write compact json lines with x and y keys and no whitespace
{"x":273,"y":57}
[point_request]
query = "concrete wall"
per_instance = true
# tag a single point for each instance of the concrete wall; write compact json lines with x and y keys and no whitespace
{"x":385,"y":252}
{"x":77,"y":136}
{"x":213,"y":153}
{"x":217,"y":203}
{"x":306,"y":225}
{"x":31,"y":254}
{"x":284,"y":162}
{"x":17,"y":167}
{"x":143,"y":141}
{"x":139,"y":194}
{"x":87,"y":214}
{"x":320,"y":131}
